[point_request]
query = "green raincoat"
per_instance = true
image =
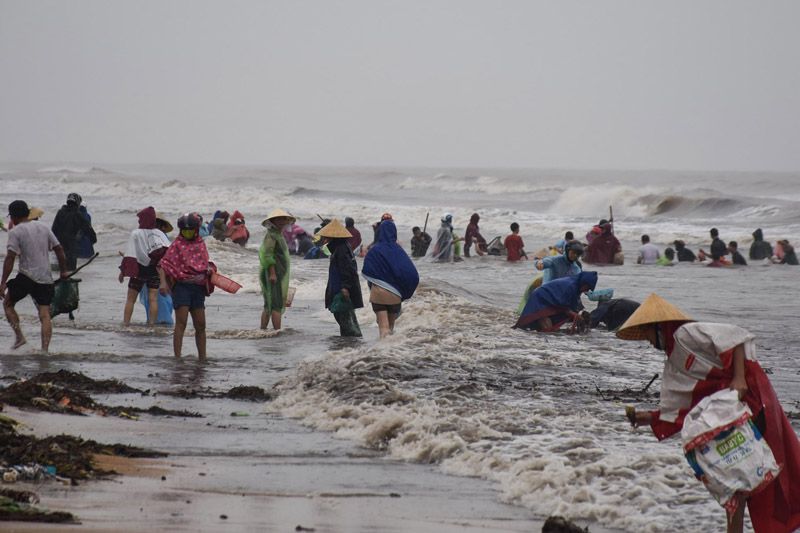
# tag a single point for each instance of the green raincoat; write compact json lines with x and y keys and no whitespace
{"x":274,"y":252}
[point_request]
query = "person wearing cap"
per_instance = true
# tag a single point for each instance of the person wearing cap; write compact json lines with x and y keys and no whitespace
{"x":275,"y":264}
{"x":391,"y":275}
{"x":704,"y":358}
{"x":561,"y":266}
{"x":343,"y":291}
{"x":68,"y":226}
{"x":146,"y":246}
{"x":31,"y":241}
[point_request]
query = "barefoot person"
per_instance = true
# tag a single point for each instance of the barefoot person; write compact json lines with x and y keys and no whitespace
{"x":146,"y":247}
{"x":392,"y":277}
{"x":185,"y":270}
{"x":702,"y":359}
{"x":31,"y":241}
{"x":275,"y":263}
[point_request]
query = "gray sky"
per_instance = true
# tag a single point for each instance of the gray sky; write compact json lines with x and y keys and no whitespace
{"x":609,"y":84}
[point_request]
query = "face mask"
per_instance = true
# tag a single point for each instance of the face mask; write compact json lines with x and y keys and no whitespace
{"x":188,"y":234}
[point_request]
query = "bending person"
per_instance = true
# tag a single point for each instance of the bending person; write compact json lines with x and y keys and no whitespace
{"x":551,"y":305}
{"x":704,"y":358}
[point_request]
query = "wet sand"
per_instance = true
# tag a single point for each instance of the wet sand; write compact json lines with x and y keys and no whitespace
{"x":272,"y":476}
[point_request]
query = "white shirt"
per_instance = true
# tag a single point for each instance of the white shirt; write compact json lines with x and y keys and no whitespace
{"x":649,"y":254}
{"x":32,"y":242}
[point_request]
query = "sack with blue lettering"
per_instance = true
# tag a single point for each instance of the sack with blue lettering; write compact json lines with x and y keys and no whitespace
{"x":725,"y":448}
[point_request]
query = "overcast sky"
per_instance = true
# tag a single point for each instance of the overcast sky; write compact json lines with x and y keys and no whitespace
{"x":596,"y":84}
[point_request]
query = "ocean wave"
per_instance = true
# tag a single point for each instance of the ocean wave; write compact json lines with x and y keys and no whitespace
{"x":482,"y":400}
{"x":74,"y":170}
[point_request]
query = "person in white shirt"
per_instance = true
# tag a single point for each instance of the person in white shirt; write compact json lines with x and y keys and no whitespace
{"x":31,"y":241}
{"x":648,"y":253}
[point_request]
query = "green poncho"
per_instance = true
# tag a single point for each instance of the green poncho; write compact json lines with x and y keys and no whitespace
{"x":274,"y":252}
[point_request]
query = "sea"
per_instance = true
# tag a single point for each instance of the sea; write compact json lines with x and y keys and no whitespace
{"x":539,"y":417}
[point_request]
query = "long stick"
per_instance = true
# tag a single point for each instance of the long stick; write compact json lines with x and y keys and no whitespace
{"x":648,"y":385}
{"x":611,"y":218}
{"x":425,"y":226}
{"x":80,"y":267}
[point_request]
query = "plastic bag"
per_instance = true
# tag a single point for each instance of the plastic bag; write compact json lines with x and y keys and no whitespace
{"x":66,"y":297}
{"x":725,"y":448}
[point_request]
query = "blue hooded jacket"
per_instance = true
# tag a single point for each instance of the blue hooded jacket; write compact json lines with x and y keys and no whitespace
{"x":388,"y":262}
{"x":556,"y":298}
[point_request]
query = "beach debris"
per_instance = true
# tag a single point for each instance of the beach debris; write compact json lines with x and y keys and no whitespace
{"x":248,"y":393}
{"x":223,"y":516}
{"x":241,"y":392}
{"x":70,"y":457}
{"x":302,"y":528}
{"x":17,"y":505}
{"x":559,"y":524}
{"x":80,"y":382}
{"x":240,"y":413}
{"x":44,"y":395}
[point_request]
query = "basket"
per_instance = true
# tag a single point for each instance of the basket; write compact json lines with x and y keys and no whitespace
{"x":224,"y":283}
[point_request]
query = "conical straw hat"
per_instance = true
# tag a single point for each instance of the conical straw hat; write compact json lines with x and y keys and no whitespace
{"x":277,"y":213}
{"x":334,"y":230}
{"x":162,"y":218}
{"x":653,"y":310}
{"x":36,"y":212}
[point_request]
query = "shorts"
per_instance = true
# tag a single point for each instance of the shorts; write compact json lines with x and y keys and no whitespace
{"x":22,"y":286}
{"x":393,"y":309}
{"x":189,"y":295}
{"x":148,"y":275}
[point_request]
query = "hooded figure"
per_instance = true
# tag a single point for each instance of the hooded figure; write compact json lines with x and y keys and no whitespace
{"x":444,"y":249}
{"x":473,"y":234}
{"x":760,"y":249}
{"x":551,"y":305}
{"x":391,"y":275}
{"x":560,"y":266}
{"x":389,"y":266}
{"x":603,"y":247}
{"x":703,"y":358}
{"x":237,"y":231}
{"x":69,"y":225}
{"x":146,"y":247}
{"x":613,"y":313}
{"x":218,"y":225}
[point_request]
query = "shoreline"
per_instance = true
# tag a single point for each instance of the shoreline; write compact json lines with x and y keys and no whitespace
{"x":304,"y":478}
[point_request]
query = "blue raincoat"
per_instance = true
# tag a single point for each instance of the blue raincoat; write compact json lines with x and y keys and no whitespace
{"x":559,"y":266}
{"x":559,"y":300}
{"x":388,"y":265}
